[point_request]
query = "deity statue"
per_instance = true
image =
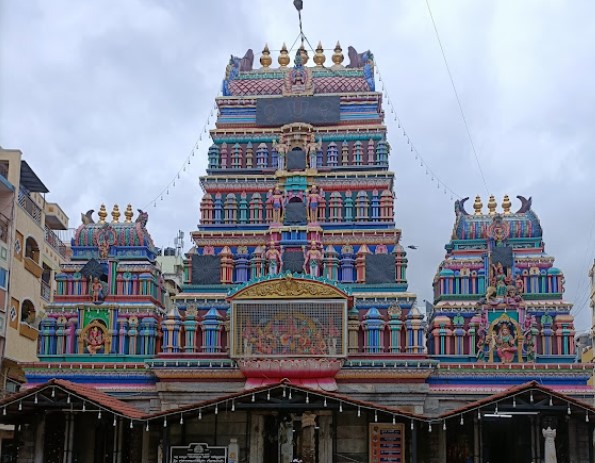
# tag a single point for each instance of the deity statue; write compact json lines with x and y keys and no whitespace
{"x":313,"y":200}
{"x":95,"y":341}
{"x":276,"y":199}
{"x":499,"y":278}
{"x":530,"y":345}
{"x":282,"y":150}
{"x":97,"y":290}
{"x":313,"y":260}
{"x":549,"y":447}
{"x":504,"y":343}
{"x":312,"y":149}
{"x":273,"y":259}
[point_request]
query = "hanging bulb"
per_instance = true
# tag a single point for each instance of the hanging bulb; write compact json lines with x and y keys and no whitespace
{"x":114,"y":423}
{"x":233,"y":406}
{"x":478,"y":415}
{"x":4,"y":411}
{"x":68,"y":399}
{"x":586,"y":417}
{"x":444,"y":426}
{"x":181,"y":419}
{"x":551,"y":401}
{"x":324,"y":404}
{"x":53,"y":392}
{"x":147,"y":427}
{"x":200,"y":414}
{"x":375,"y":416}
{"x":216,"y":409}
{"x":307,"y":398}
{"x":253,"y":398}
{"x":412,"y":425}
{"x":37,"y":400}
{"x":496,"y":411}
{"x":165,"y":422}
{"x":462,"y":422}
{"x":20,"y":406}
{"x":131,"y":425}
{"x":290,"y":394}
{"x":99,"y":415}
{"x":84,"y":407}
{"x":284,"y":392}
{"x":514,"y":402}
{"x":340,"y":407}
{"x":269,"y":394}
{"x":568,"y":410}
{"x":359,"y":412}
{"x":394,"y":419}
{"x":531,"y":397}
{"x":430,"y":427}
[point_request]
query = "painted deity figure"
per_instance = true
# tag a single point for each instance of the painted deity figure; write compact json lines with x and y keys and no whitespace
{"x":276,"y":199}
{"x":549,"y":446}
{"x":313,"y":260}
{"x":97,"y":290}
{"x":282,"y":150}
{"x":95,"y":341}
{"x":312,"y":149}
{"x":313,"y":201}
{"x":273,"y":259}
{"x":499,"y":279}
{"x":504,"y":343}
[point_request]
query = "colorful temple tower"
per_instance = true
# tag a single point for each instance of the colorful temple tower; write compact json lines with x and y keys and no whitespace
{"x":498,"y":299}
{"x":108,"y":306}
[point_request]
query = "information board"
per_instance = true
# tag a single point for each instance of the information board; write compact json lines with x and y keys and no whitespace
{"x":387,"y":443}
{"x":198,"y":453}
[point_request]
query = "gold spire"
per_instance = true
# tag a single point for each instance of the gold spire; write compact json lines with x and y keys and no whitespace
{"x":115,"y":214}
{"x":265,"y":59}
{"x":319,"y":57}
{"x":492,"y":205}
{"x":506,"y":204}
{"x":304,"y":54}
{"x":102,"y":213}
{"x":338,"y":56}
{"x":128,"y":213}
{"x":477,"y":205}
{"x":283,"y":58}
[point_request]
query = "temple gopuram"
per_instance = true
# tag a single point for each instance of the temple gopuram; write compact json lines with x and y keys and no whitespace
{"x":294,"y":337}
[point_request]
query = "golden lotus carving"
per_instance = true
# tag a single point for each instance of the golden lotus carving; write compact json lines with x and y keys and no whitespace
{"x":289,"y":287}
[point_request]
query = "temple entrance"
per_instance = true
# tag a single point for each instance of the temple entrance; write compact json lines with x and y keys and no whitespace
{"x":506,"y":440}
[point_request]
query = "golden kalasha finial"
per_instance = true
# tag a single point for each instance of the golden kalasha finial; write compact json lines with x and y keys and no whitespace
{"x":338,"y":56}
{"x":506,"y":204}
{"x":319,"y":57}
{"x":304,"y":54}
{"x":115,"y":214}
{"x":492,"y":205}
{"x":128,"y":214}
{"x":265,"y":59}
{"x":102,"y":213}
{"x":284,"y":58}
{"x":477,"y":205}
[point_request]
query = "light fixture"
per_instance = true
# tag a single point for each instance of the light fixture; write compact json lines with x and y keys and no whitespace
{"x":586,"y":417}
{"x":147,"y":427}
{"x":200,"y":413}
{"x":497,"y":415}
{"x":4,"y":411}
{"x":412,"y":425}
{"x":253,"y":398}
{"x":20,"y":406}
{"x":165,"y":422}
{"x":216,"y":409}
{"x":531,"y":397}
{"x":568,"y":410}
{"x":394,"y":419}
{"x":114,"y":423}
{"x":429,"y":427}
{"x":181,"y":419}
{"x":269,"y":394}
{"x":496,"y":410}
{"x":307,"y":398}
{"x":514,"y":402}
{"x":284,"y":392}
{"x":375,"y":416}
{"x":478,"y":415}
{"x":53,"y":392}
{"x":99,"y":415}
{"x":462,"y":422}
{"x":340,"y":407}
{"x":324,"y":403}
{"x":290,"y":394}
{"x":359,"y":412}
{"x":68,"y":399}
{"x":84,"y":407}
{"x":131,"y":425}
{"x":37,"y":400}
{"x":444,"y":426}
{"x":551,"y":401}
{"x":233,"y":406}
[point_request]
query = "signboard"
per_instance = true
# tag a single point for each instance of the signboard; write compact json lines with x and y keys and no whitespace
{"x":387,"y":443}
{"x":198,"y":453}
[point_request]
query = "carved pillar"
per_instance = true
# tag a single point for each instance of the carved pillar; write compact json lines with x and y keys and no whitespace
{"x":307,"y":443}
{"x":353,"y":330}
{"x":395,"y":325}
{"x":190,"y":330}
{"x":211,"y":325}
{"x":133,"y":336}
{"x":170,"y":327}
{"x":256,"y":447}
{"x":325,"y":438}
{"x":373,"y":326}
{"x":122,"y":332}
{"x":360,"y":263}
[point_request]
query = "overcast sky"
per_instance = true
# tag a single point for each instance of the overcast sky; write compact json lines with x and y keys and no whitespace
{"x":107,"y":98}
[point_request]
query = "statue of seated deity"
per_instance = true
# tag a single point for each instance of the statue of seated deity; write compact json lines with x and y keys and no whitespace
{"x":504,"y":342}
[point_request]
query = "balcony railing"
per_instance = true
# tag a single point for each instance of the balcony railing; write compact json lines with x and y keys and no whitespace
{"x":55,"y":242}
{"x":29,"y":205}
{"x":4,"y":226}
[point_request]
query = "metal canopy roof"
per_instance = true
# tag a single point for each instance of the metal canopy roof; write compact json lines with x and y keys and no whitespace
{"x":30,"y":180}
